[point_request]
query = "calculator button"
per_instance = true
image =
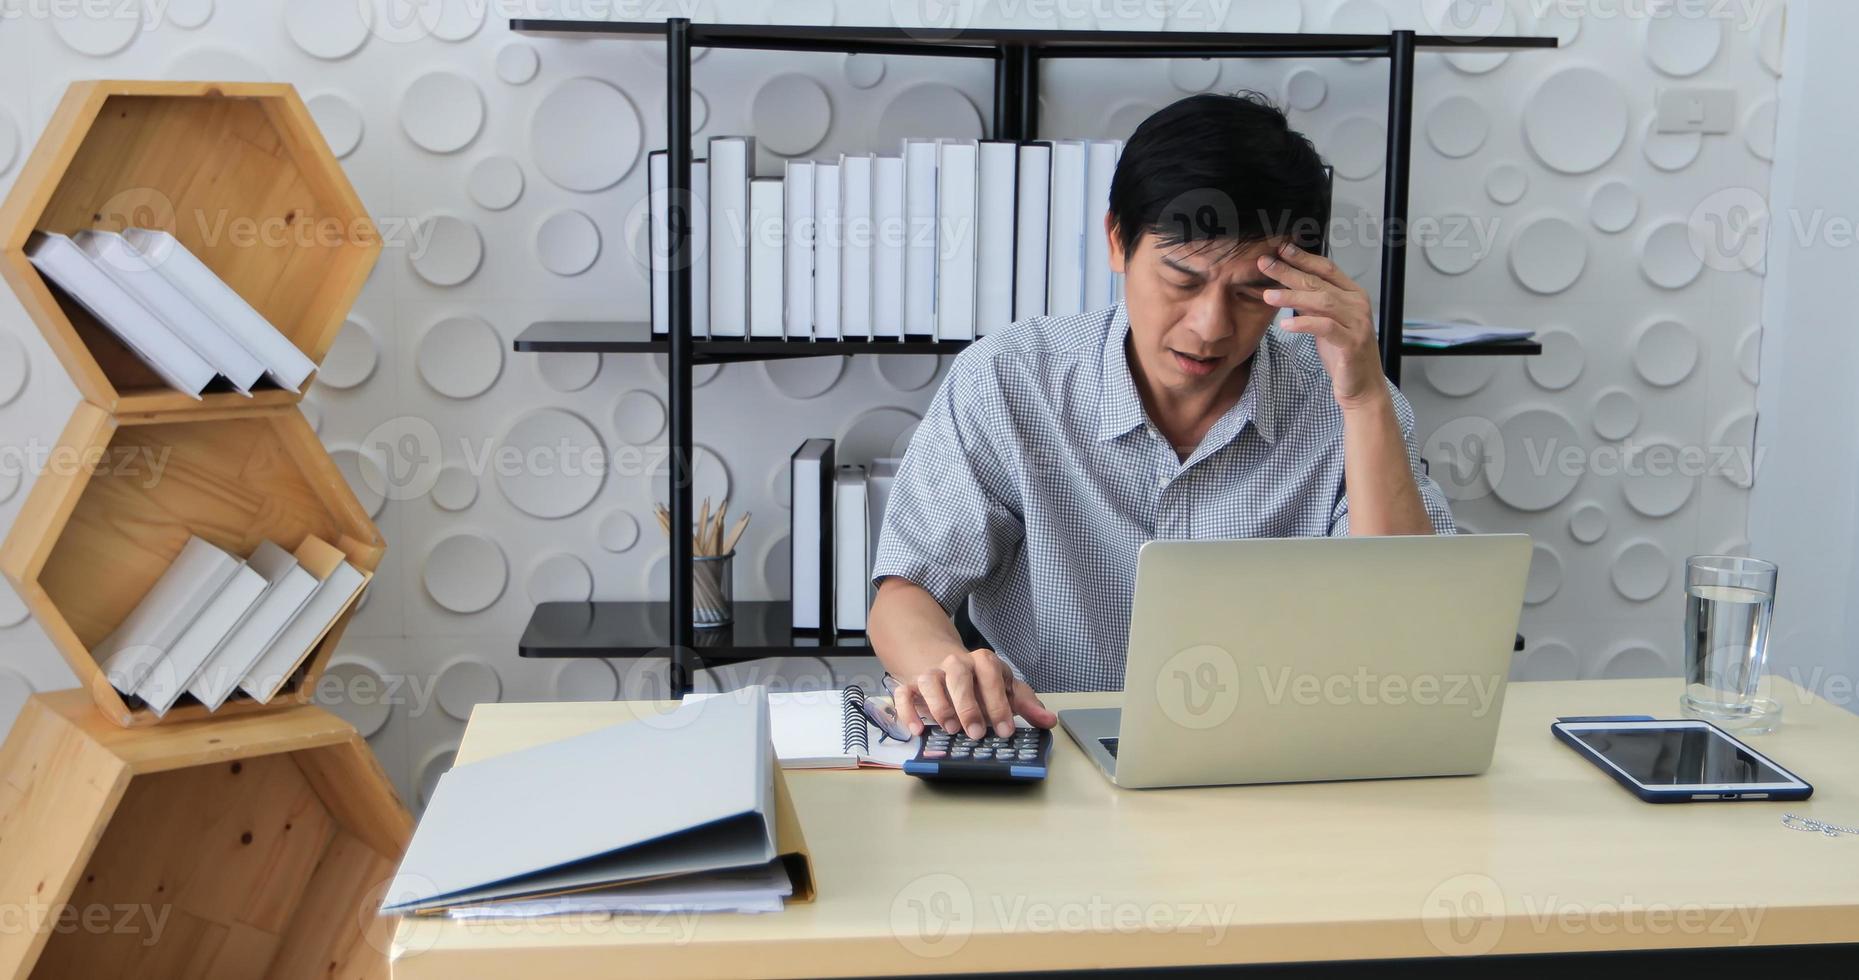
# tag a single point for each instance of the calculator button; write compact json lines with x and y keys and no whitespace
{"x":1028,"y":755}
{"x":935,"y":754}
{"x":984,"y":753}
{"x":958,"y":753}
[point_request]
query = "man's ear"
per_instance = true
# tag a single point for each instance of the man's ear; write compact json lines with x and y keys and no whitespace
{"x":1117,"y":258}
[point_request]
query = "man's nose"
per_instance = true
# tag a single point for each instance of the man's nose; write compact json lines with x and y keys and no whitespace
{"x":1209,"y":316}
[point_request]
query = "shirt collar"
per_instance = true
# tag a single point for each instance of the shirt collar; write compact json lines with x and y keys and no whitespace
{"x":1120,"y":408}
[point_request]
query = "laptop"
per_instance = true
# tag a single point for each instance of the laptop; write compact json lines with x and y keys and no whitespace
{"x":1273,"y":660}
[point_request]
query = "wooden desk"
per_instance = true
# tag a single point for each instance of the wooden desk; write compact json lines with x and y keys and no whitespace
{"x":1541,"y":854}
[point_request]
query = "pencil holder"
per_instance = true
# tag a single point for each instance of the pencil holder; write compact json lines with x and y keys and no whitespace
{"x":713,"y":590}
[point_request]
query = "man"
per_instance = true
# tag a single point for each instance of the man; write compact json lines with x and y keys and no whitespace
{"x":1057,"y":446}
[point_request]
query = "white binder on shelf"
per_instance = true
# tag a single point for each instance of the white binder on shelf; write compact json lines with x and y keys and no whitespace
{"x":955,"y":239}
{"x":767,"y":277}
{"x":920,"y":238}
{"x":798,"y":249}
{"x":887,"y":254}
{"x":170,"y":678}
{"x":1065,"y":240}
{"x":851,"y":563}
{"x":120,"y":261}
{"x":732,"y":163}
{"x":699,"y":259}
{"x":288,"y":587}
{"x":1032,"y":206}
{"x":186,"y":587}
{"x":855,"y":246}
{"x":826,"y":246}
{"x":1100,"y":167}
{"x":994,"y":220}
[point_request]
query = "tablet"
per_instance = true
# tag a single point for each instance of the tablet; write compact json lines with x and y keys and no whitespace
{"x":1680,"y":761}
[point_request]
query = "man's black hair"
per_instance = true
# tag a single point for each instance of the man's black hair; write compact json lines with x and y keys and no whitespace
{"x":1225,"y":171}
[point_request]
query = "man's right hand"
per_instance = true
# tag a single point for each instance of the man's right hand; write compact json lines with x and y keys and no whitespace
{"x":971,"y":691}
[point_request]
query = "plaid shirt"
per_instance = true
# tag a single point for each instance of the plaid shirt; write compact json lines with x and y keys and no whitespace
{"x":1036,"y":475}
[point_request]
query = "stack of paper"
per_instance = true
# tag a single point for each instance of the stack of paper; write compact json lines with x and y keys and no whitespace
{"x":1433,"y":333}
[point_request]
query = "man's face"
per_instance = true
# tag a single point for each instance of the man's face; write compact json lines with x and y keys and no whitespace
{"x":1196,"y":310}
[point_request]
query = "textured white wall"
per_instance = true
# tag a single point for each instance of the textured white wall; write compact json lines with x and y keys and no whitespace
{"x":521,"y":163}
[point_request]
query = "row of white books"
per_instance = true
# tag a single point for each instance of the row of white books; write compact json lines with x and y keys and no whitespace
{"x":169,"y":309}
{"x":213,"y":623}
{"x":837,"y":514}
{"x":946,"y":240}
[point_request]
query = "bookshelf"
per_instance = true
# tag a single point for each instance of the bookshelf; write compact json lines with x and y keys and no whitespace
{"x":628,"y":629}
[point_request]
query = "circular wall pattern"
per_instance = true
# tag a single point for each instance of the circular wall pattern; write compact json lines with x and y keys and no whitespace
{"x":618,"y":531}
{"x":1124,"y":119}
{"x":777,"y":568}
{"x":1193,"y":74}
{"x":568,"y":372}
{"x":1357,"y":147}
{"x":790,"y":115}
{"x":863,"y":70}
{"x":1641,"y":570}
{"x":218,"y":64}
{"x":1657,"y":479}
{"x":1616,"y":414}
{"x":1758,"y":129}
{"x":1457,"y":126}
{"x":1683,"y":43}
{"x":465,"y":684}
{"x":435,"y":765}
{"x":1359,"y":17}
{"x":560,"y":578}
{"x":15,"y":691}
{"x":311,"y":414}
{"x":1455,"y":254}
{"x":329,"y":31}
{"x":351,"y":359}
{"x":1548,"y":255}
{"x":1614,"y":206}
{"x":1770,"y":43}
{"x":460,"y":357}
{"x":926,"y":111}
{"x":339,"y":120}
{"x":1536,"y":433}
{"x":1457,"y":377}
{"x":465,"y":573}
{"x":907,"y":373}
{"x":1667,"y":256}
{"x":1545,"y":578}
{"x":1576,"y":121}
{"x":806,"y":377}
{"x":12,"y":611}
{"x":442,"y":111}
{"x":1665,"y":353}
{"x":363,"y":475}
{"x":453,"y":20}
{"x":568,"y":243}
{"x":14,"y":368}
{"x":1736,"y":439}
{"x":453,"y":251}
{"x":360,"y":701}
{"x":92,"y":30}
{"x":563,"y":464}
{"x":1749,"y":356}
{"x":517,"y":63}
{"x":1670,"y":152}
{"x":1305,"y":90}
{"x":586,"y":680}
{"x":495,"y":183}
{"x":1507,"y":183}
{"x":575,"y":155}
{"x":638,"y":417}
{"x":874,"y":435}
{"x":1588,"y":523}
{"x":1550,"y":660}
{"x":1636,"y":662}
{"x":9,"y":483}
{"x":455,"y":489}
{"x":709,"y":478}
{"x":189,"y":14}
{"x":1560,"y":364}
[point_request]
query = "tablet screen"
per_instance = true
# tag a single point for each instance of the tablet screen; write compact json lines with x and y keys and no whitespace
{"x":1679,"y":756}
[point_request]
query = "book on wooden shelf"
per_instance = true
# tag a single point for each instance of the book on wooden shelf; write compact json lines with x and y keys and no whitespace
{"x":288,"y":587}
{"x":340,"y":584}
{"x":120,"y":261}
{"x":171,"y":675}
{"x":186,"y":587}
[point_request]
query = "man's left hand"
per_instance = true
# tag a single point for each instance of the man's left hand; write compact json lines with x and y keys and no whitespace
{"x":1334,"y":309}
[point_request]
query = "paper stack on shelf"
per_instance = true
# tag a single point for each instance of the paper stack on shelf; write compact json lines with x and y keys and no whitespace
{"x":1435,"y":333}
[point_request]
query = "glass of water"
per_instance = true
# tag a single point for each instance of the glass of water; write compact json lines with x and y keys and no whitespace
{"x":1728,"y":603}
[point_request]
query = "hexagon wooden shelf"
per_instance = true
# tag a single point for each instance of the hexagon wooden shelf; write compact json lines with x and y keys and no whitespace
{"x":118,"y":498}
{"x":256,"y":846}
{"x":238,"y":172}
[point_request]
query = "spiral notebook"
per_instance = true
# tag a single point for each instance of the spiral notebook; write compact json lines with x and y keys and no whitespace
{"x":826,"y":730}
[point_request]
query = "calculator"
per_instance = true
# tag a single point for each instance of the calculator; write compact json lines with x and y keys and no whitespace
{"x":1020,"y":757}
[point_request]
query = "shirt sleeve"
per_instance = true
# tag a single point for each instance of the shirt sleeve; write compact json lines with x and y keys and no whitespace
{"x":953,"y":516}
{"x":1431,"y":496}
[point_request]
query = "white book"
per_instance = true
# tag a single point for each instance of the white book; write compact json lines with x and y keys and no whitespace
{"x":300,"y":636}
{"x":955,"y":239}
{"x":766,"y":275}
{"x":851,"y":564}
{"x":810,"y":534}
{"x":994,"y":191}
{"x":920,"y":240}
{"x":288,"y":587}
{"x":825,"y":729}
{"x":59,"y":259}
{"x":826,"y":245}
{"x":700,"y":248}
{"x":732,"y":163}
{"x":120,"y":261}
{"x":1032,"y":205}
{"x":855,"y":243}
{"x":1065,"y":238}
{"x":887,"y":256}
{"x":165,"y":684}
{"x":878,"y":483}
{"x":287,"y":366}
{"x":184,"y":589}
{"x":1100,"y":167}
{"x":797,"y":239}
{"x":658,"y":241}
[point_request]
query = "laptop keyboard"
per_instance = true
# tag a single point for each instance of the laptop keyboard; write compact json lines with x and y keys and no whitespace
{"x":1110,"y":745}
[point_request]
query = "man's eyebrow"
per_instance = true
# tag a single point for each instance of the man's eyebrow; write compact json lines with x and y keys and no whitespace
{"x":1186,"y":270}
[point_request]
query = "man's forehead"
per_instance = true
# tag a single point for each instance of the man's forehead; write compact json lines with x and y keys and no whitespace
{"x":1213,"y":258}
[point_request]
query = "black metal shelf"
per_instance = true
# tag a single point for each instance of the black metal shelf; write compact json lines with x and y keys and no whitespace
{"x":631,"y":630}
{"x":605,"y":337}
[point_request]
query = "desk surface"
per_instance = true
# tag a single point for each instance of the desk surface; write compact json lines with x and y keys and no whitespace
{"x":1541,"y":854}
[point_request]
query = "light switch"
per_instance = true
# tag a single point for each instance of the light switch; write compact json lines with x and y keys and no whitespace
{"x":1697,"y":110}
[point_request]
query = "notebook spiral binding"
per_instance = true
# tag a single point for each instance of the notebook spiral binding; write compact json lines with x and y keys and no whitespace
{"x":853,"y":721}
